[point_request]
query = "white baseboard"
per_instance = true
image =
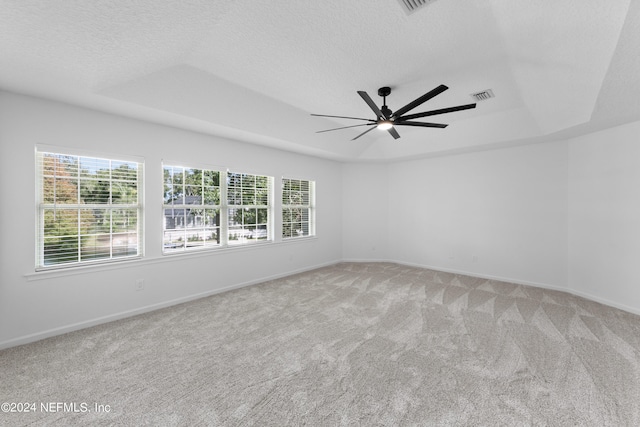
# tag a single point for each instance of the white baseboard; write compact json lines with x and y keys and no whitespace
{"x":26,"y":339}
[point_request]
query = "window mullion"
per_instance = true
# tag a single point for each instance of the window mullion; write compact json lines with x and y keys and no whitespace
{"x":224,"y":209}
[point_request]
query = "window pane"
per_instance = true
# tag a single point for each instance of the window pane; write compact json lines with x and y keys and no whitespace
{"x":297,"y":202}
{"x":193,"y":177}
{"x":211,"y":196}
{"x":124,"y":171}
{"x":212,"y":236}
{"x":59,"y":250}
{"x":168,"y":194}
{"x":249,"y":216}
{"x":195,"y":238}
{"x":238,"y":234}
{"x":94,"y":168}
{"x":65,"y":190}
{"x":211,"y":178}
{"x":173,"y":240}
{"x":212,"y":217}
{"x":74,"y":231}
{"x":95,"y":221}
{"x":248,"y":181}
{"x":262,"y":197}
{"x":262,"y":182}
{"x":286,"y":215}
{"x":248,"y":196}
{"x":124,"y":244}
{"x":178,"y":195}
{"x":95,"y":246}
{"x":94,"y":191}
{"x":234,"y":197}
{"x":177,"y":176}
{"x":124,"y":220}
{"x":262,"y":216}
{"x":60,"y":222}
{"x":174,"y":219}
{"x":286,"y":230}
{"x":167,"y":172}
{"x":235,"y":217}
{"x":124,"y":193}
{"x":193,"y":195}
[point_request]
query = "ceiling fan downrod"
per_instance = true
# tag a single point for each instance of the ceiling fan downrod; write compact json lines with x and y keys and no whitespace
{"x":384,"y":92}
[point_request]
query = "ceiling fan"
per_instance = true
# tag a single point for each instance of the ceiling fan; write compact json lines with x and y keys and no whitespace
{"x":388,"y":120}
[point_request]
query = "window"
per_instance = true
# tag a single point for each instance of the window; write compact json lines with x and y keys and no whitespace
{"x":298,"y":208}
{"x":249,"y":206}
{"x":89,"y":209}
{"x":191,"y":208}
{"x":207,"y":208}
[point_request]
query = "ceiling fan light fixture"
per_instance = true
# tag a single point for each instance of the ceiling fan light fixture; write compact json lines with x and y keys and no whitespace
{"x":385,"y":124}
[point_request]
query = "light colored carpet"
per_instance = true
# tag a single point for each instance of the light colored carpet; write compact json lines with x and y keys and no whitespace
{"x":351,"y":344}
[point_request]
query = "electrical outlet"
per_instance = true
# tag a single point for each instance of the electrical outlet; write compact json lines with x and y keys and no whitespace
{"x":139,"y":284}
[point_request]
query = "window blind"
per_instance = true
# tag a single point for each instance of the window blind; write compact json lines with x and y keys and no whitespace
{"x":248,"y":208}
{"x":89,"y":209}
{"x":298,"y":204}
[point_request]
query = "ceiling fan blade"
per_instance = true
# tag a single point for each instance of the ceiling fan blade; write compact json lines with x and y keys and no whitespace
{"x":394,"y":133}
{"x":413,"y":104}
{"x":342,"y":117}
{"x":436,"y":112}
{"x":368,"y":130}
{"x":420,"y":124}
{"x":345,"y":127}
{"x":371,"y":104}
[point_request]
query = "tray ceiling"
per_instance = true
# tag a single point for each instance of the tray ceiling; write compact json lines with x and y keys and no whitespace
{"x":254,"y":71}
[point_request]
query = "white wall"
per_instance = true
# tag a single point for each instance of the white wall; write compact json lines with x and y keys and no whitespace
{"x":34,"y":306}
{"x":498,"y":213}
{"x":365,"y":192}
{"x":563,"y":214}
{"x":604,"y":212}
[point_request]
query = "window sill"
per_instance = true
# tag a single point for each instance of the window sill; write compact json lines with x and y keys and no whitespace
{"x":163,"y":258}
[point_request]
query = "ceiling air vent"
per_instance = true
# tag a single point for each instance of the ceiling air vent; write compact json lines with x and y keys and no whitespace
{"x":411,"y":6}
{"x":483,"y":95}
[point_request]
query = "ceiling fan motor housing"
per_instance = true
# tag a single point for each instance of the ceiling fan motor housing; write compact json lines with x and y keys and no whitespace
{"x":384,"y":91}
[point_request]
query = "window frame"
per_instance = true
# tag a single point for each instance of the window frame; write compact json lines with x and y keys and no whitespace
{"x":79,"y":208}
{"x":310,"y":207}
{"x":267,"y":204}
{"x":203,"y":205}
{"x":226,"y":209}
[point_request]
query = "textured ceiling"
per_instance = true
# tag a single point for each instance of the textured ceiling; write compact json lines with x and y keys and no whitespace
{"x":254,"y":71}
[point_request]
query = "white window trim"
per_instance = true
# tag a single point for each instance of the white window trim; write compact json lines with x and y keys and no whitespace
{"x":40,"y":206}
